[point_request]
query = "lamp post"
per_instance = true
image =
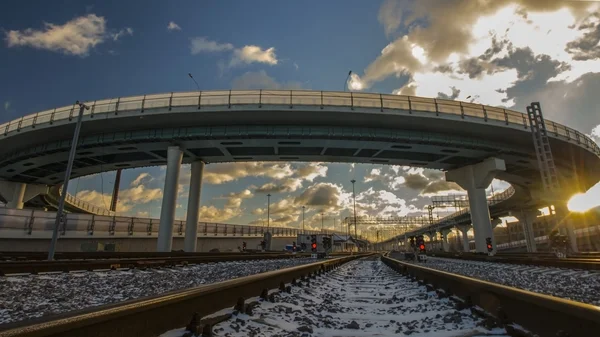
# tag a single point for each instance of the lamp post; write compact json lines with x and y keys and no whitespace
{"x":303,"y":208}
{"x":354,"y":197}
{"x":61,"y":203}
{"x":322,"y":222}
{"x":192,"y":77}
{"x":268,"y":211}
{"x":347,"y":77}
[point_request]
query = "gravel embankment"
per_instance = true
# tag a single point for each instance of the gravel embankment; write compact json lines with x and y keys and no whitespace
{"x":32,"y":296}
{"x":577,"y":285}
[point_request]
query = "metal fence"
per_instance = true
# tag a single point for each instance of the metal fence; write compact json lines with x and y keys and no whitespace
{"x":291,"y":98}
{"x":36,"y":221}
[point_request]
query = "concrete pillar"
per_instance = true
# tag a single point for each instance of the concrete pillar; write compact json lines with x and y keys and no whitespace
{"x":167,"y":211}
{"x":191,"y":221}
{"x":465,"y":236}
{"x":475,"y":179}
{"x":566,"y":224}
{"x":526,"y":219}
{"x":18,"y":196}
{"x":445,"y":243}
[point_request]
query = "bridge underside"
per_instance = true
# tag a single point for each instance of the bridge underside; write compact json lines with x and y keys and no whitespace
{"x":111,"y":151}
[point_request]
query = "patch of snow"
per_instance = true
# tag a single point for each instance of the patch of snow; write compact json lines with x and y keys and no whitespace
{"x":361,"y":298}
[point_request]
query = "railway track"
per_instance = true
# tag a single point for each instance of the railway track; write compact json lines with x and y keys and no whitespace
{"x":354,"y":300}
{"x":362,"y":298}
{"x":585,"y":262}
{"x":42,"y":256}
{"x":510,"y":307}
{"x":152,"y":316}
{"x":35,"y":267}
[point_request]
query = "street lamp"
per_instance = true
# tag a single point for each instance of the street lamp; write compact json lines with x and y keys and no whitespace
{"x":303,"y":208}
{"x":61,"y":203}
{"x":347,"y":77}
{"x":354,"y":197}
{"x":192,"y":77}
{"x":268,"y":210}
{"x":322,"y":222}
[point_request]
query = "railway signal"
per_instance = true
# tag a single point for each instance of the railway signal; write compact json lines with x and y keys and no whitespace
{"x":313,"y":245}
{"x":488,"y":243}
{"x":293,"y":246}
{"x":421,"y":243}
{"x":244,"y":246}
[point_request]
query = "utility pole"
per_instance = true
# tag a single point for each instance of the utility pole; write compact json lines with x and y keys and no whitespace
{"x":322,"y":223}
{"x":303,"y":208}
{"x":354,"y":197}
{"x":61,"y":203}
{"x":268,"y":210}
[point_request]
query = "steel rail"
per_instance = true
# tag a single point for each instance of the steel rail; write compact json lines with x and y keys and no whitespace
{"x":33,"y":256}
{"x":34,"y":267}
{"x":578,"y":262}
{"x":540,"y":314}
{"x":152,"y":316}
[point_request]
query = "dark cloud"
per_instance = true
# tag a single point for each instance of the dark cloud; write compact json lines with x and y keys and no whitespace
{"x":588,"y":46}
{"x":497,"y":47}
{"x":440,"y":186}
{"x":455,"y":93}
{"x":444,"y":68}
{"x":474,"y":67}
{"x":271,"y":188}
{"x":573,"y":104}
{"x":533,"y":71}
{"x":322,"y":194}
{"x":416,"y":181}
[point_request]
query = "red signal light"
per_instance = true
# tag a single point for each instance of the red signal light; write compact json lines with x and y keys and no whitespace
{"x":489,"y":246}
{"x":314,"y":246}
{"x":422,"y":247}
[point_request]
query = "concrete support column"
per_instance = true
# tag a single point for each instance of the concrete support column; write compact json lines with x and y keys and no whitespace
{"x":191,"y":221}
{"x":167,"y":211}
{"x":18,"y":196}
{"x":445,"y":243}
{"x":526,"y":219}
{"x":475,"y":179}
{"x":465,"y":237}
{"x":566,"y":223}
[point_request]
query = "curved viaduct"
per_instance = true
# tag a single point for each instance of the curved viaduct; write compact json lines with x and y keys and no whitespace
{"x":270,"y":125}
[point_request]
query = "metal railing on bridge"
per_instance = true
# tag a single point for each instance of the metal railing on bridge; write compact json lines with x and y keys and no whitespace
{"x":295,"y":98}
{"x":37,"y":221}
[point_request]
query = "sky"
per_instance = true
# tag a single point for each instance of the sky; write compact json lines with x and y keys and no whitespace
{"x":502,"y":53}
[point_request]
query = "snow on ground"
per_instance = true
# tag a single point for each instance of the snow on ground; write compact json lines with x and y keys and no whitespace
{"x":32,"y":296}
{"x":361,"y":298}
{"x":577,"y":285}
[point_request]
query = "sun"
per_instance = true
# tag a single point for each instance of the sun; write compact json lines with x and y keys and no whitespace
{"x":581,"y":202}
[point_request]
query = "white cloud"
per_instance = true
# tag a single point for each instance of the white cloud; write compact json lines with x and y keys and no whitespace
{"x":244,"y":55}
{"x":203,"y":45}
{"x":214,"y":214}
{"x":6,"y":105}
{"x":126,"y":31}
{"x":76,"y":37}
{"x":457,"y":34}
{"x":253,"y":54}
{"x":144,"y":176}
{"x":173,"y":26}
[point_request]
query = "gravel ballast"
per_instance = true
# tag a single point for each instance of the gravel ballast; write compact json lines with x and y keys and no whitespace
{"x":31,"y":296}
{"x":577,"y":285}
